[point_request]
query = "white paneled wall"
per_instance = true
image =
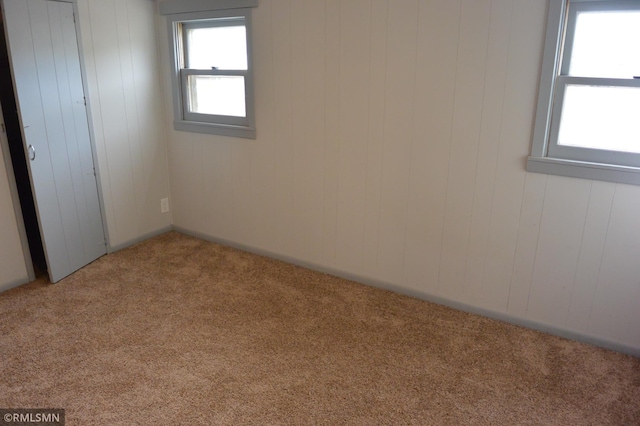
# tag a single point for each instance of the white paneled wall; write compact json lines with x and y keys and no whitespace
{"x":392,"y":138}
{"x":120,"y":52}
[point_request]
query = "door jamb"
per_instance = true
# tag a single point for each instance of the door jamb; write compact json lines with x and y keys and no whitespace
{"x":92,"y":138}
{"x":4,"y":152}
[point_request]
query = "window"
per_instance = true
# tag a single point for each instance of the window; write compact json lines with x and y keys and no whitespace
{"x":212,"y":76}
{"x":587,"y":122}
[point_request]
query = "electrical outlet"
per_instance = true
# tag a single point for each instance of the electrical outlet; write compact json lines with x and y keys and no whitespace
{"x":164,"y":205}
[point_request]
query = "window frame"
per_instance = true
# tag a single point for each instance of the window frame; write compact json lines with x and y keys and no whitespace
{"x":185,"y":72}
{"x":185,"y":120}
{"x":546,"y":155}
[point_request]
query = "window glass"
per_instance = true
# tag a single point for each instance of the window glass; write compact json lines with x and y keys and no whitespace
{"x":217,"y":95}
{"x":601,"y":117}
{"x":216,"y":47}
{"x":606,"y":44}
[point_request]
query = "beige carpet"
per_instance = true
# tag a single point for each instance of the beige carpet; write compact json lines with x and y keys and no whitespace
{"x":178,"y":331}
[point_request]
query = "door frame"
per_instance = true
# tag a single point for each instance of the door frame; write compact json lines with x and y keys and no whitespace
{"x":90,"y":126}
{"x":13,"y":189}
{"x":92,"y":138}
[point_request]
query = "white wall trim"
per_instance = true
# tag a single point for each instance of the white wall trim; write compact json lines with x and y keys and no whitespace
{"x":500,"y":316}
{"x":13,"y":284}
{"x":141,"y":238}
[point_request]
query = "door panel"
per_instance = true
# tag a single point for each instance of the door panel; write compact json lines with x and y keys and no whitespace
{"x":46,"y":68}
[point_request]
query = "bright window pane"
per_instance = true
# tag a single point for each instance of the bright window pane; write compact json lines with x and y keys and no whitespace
{"x":224,"y":47}
{"x":601,"y":118}
{"x":606,"y":44}
{"x":218,"y":95}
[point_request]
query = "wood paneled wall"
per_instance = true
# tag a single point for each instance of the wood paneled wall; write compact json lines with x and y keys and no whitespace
{"x":120,"y":52}
{"x":392,"y":138}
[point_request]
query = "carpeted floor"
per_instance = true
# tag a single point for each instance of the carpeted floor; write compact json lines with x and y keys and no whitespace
{"x":179,"y":331}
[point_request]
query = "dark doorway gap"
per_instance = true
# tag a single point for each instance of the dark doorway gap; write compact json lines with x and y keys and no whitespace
{"x":18,"y":160}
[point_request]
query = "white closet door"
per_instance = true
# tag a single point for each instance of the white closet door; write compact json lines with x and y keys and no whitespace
{"x":46,"y":67}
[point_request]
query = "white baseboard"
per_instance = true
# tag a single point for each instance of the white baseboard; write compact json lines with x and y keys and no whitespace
{"x":14,"y":284}
{"x":139,"y":239}
{"x":500,"y":316}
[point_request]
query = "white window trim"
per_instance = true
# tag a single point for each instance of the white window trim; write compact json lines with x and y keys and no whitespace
{"x":178,"y":11}
{"x":540,"y":160}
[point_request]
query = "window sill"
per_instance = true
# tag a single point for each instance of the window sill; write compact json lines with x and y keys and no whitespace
{"x":215,"y":129}
{"x":584,"y":170}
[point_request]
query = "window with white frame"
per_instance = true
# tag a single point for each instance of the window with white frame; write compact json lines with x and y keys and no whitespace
{"x":588,"y":115}
{"x":212,"y":76}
